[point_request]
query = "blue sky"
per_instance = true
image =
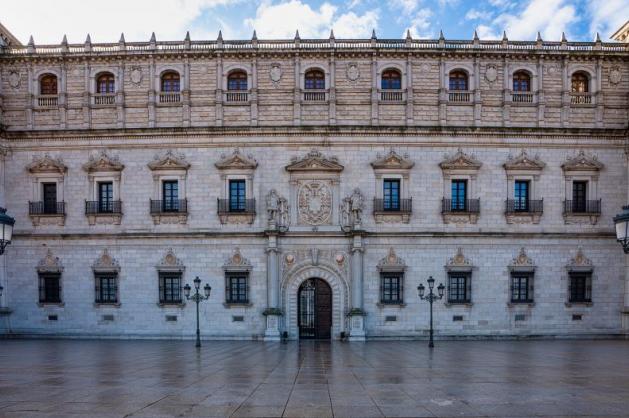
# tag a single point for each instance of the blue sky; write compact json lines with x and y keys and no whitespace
{"x":170,"y":19}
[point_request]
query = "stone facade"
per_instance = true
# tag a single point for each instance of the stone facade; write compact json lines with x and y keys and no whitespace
{"x":312,"y":171}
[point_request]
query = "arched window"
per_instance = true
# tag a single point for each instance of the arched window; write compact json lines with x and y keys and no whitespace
{"x":521,"y":81}
{"x":170,"y":82}
{"x":580,"y":82}
{"x":237,"y":80}
{"x":105,"y":83}
{"x":48,"y":84}
{"x":314,"y":80}
{"x":391,"y":80}
{"x":458,"y":80}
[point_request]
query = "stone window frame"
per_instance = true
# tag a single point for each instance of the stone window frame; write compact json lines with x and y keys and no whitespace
{"x":467,"y":68}
{"x":308,"y":65}
{"x":395,"y":167}
{"x":165,"y":167}
{"x":105,"y":264}
{"x":522,"y":264}
{"x":459,"y":265}
{"x":227,"y":70}
{"x":42,"y":170}
{"x":50,"y":266}
{"x":237,"y":166}
{"x":581,"y":265}
{"x":236,"y":264}
{"x":581,"y":167}
{"x":399,"y":66}
{"x":94,"y":73}
{"x":593,"y":83}
{"x":524,"y":168}
{"x":531,"y":70}
{"x":391,"y":264}
{"x":170,"y":264}
{"x":103,"y":168}
{"x":160,"y":70}
{"x":460,"y":166}
{"x":36,"y":87}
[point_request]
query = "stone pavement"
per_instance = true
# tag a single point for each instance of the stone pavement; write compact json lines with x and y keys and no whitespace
{"x":72,"y":378}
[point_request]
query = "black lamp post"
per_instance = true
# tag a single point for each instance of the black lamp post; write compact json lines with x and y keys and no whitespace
{"x":6,"y":229}
{"x":197,"y":298}
{"x":431,"y":297}
{"x":622,"y":228}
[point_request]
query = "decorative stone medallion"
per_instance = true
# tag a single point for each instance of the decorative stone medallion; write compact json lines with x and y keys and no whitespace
{"x":275,"y":73}
{"x":315,"y":203}
{"x":353,"y":73}
{"x":136,"y":75}
{"x":14,"y":79}
{"x":491,"y":73}
{"x":615,"y":76}
{"x":425,"y":67}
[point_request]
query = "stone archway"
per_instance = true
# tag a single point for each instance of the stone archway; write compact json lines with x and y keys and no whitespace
{"x":290,"y":289}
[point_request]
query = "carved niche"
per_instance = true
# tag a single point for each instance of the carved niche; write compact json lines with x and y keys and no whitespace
{"x":314,"y":182}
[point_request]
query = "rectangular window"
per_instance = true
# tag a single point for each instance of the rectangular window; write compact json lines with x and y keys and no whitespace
{"x":49,"y":288}
{"x":170,"y":196}
{"x":580,"y":287}
{"x":521,"y":288}
{"x":579,"y":196}
{"x":50,"y":197}
{"x":391,"y":194}
{"x":105,"y":197}
{"x":237,"y":196}
{"x":459,"y":195}
{"x":521,"y":196}
{"x":236,"y":291}
{"x":170,"y":288}
{"x":459,"y":288}
{"x":106,"y":288}
{"x":391,"y":288}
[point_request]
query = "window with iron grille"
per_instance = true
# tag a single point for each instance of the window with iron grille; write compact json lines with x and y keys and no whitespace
{"x":391,"y":288}
{"x":237,"y":288}
{"x":580,"y":288}
{"x":521,"y":288}
{"x":170,"y":195}
{"x":105,"y":83}
{"x":521,"y":81}
{"x":49,"y":288}
{"x":458,"y":80}
{"x":459,"y":288}
{"x":170,"y":288}
{"x":106,"y":288}
{"x":49,"y":191}
{"x":237,"y":196}
{"x":459,"y":195}
{"x":521,"y":195}
{"x":105,"y":197}
{"x":391,"y":194}
{"x":170,"y":82}
{"x":579,"y":196}
{"x":48,"y":84}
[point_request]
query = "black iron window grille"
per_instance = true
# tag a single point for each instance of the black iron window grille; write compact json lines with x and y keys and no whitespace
{"x":49,"y":288}
{"x":107,"y":288}
{"x":521,"y":288}
{"x":459,"y":288}
{"x":170,"y":288}
{"x":237,"y":288}
{"x":391,"y":289}
{"x":580,"y":288}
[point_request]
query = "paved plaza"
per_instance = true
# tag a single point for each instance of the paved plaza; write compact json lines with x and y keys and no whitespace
{"x":64,"y":378}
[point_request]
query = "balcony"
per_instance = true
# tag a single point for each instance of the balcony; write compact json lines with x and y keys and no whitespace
{"x":523,"y":211}
{"x":459,"y":96}
{"x":48,"y":100}
{"x":459,"y":211}
{"x":581,"y":211}
{"x":388,"y":211}
{"x":104,"y":99}
{"x":169,"y":211}
{"x":47,"y":213}
{"x":581,"y":98}
{"x":521,"y":97}
{"x":169,"y":97}
{"x":106,"y":212}
{"x":392,"y":96}
{"x":316,"y":96}
{"x":236,"y":97}
{"x":238,"y":212}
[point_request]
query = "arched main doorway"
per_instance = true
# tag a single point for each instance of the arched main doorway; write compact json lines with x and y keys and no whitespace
{"x":314,"y":309}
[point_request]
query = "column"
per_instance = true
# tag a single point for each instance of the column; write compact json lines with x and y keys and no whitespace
{"x":273,"y":312}
{"x":357,"y":314}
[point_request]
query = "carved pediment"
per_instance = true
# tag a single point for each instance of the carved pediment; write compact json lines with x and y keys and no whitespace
{"x":236,"y":161}
{"x":580,"y":261}
{"x":582,"y":162}
{"x":46,"y":164}
{"x":170,"y":262}
{"x":106,"y":263}
{"x":236,"y":262}
{"x":103,"y":162}
{"x":169,"y":161}
{"x":460,"y":161}
{"x":459,"y":260}
{"x":49,"y":264}
{"x":522,"y":261}
{"x":391,"y":262}
{"x":315,"y":161}
{"x":392,"y":161}
{"x":524,"y":162}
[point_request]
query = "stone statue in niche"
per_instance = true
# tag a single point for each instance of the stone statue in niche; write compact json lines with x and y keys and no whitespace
{"x":277,"y":209}
{"x":357,"y":202}
{"x":346,"y":214}
{"x":272,"y":203}
{"x":284,"y":219}
{"x":352,"y":210}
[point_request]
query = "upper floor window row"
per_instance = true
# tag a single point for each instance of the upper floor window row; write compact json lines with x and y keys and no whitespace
{"x":105,"y":83}
{"x":48,"y":84}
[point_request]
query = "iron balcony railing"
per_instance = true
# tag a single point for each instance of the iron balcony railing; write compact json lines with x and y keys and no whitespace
{"x":169,"y":206}
{"x":46,"y":208}
{"x":592,"y":207}
{"x":524,"y":206}
{"x":96,"y":207}
{"x":460,"y":206}
{"x":244,"y":206}
{"x":392,"y":205}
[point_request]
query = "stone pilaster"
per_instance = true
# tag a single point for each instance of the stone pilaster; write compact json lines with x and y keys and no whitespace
{"x":272,"y":312}
{"x":357,"y":314}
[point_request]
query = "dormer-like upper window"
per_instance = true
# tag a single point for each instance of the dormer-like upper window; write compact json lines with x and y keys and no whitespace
{"x":170,"y":82}
{"x":580,"y":82}
{"x":314,"y":80}
{"x":237,"y":80}
{"x":458,"y":80}
{"x":391,"y":80}
{"x":48,"y":84}
{"x":521,"y":81}
{"x":105,"y":83}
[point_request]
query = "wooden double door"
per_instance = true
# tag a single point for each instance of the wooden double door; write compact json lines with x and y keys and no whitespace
{"x":315,"y":310}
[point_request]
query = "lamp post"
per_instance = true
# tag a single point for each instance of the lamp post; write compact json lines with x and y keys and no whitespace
{"x":431,"y":297}
{"x":197,"y":298}
{"x":622,"y":228}
{"x":6,"y":229}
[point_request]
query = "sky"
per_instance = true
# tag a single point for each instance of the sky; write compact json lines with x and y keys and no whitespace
{"x":49,"y":20}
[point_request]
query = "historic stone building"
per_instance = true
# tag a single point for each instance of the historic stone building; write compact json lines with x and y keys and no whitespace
{"x":314,"y":184}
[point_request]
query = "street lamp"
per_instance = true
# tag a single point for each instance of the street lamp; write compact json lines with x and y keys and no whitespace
{"x":622,"y":228}
{"x":6,"y":229}
{"x":197,"y":298}
{"x":431,"y":297}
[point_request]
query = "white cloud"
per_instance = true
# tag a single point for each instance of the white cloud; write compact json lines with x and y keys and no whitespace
{"x":407,"y":6}
{"x":420,"y":24}
{"x":282,"y":19}
{"x":474,"y":14}
{"x":444,"y":3}
{"x":607,"y":16}
{"x":48,"y":20}
{"x":486,"y":32}
{"x":550,"y":17}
